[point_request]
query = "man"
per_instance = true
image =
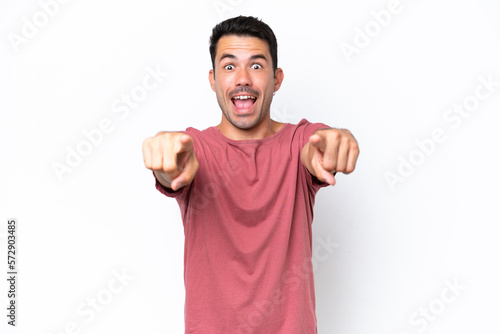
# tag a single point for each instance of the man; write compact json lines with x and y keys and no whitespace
{"x":246,"y":191}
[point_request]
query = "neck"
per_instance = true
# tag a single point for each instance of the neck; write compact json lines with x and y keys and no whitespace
{"x":263,"y":130}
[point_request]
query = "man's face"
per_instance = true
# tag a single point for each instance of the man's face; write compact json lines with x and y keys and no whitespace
{"x":244,"y":80}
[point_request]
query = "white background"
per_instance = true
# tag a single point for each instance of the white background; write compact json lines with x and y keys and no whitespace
{"x":398,"y":245}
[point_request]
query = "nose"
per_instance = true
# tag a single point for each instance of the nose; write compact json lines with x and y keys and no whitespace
{"x":243,"y":78}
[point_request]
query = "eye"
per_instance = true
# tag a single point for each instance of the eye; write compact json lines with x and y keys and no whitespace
{"x":256,"y":66}
{"x":229,"y":67}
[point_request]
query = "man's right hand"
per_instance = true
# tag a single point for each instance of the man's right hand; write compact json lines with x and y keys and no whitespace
{"x":170,"y":155}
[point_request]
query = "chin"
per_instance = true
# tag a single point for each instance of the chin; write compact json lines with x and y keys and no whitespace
{"x":244,"y":122}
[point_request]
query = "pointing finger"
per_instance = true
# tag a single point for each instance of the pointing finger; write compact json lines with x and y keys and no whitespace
{"x":321,"y":173}
{"x":318,"y":141}
{"x":185,"y":143}
{"x":331,"y":153}
{"x":187,"y":174}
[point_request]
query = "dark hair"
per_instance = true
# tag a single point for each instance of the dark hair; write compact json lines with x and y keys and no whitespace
{"x":245,"y":26}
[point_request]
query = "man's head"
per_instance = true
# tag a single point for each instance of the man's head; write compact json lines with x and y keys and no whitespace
{"x":245,"y":73}
{"x":245,"y":26}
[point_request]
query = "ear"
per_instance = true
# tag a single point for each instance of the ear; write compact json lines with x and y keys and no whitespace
{"x":278,"y":79}
{"x":211,"y":78}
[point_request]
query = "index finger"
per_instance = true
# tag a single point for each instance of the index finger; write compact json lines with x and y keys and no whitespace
{"x":185,"y":143}
{"x":318,"y":140}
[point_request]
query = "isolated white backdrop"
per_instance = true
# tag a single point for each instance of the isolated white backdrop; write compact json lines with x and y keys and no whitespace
{"x":399,"y":244}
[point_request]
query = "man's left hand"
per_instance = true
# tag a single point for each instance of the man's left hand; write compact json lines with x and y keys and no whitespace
{"x":329,"y":151}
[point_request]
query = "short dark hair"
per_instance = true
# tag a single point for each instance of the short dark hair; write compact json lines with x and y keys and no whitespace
{"x":245,"y":26}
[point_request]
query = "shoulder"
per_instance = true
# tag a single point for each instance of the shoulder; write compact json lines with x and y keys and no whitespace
{"x":306,"y":125}
{"x":200,"y":134}
{"x":305,"y":129}
{"x":206,"y":140}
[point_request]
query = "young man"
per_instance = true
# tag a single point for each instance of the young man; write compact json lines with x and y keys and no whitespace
{"x":246,"y":191}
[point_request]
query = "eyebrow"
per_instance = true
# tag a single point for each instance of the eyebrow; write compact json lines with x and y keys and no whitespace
{"x":231,"y":56}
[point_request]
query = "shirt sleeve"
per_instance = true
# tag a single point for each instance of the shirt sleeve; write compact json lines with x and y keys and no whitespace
{"x":168,"y":191}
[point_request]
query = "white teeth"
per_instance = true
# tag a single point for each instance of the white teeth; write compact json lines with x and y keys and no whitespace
{"x":244,"y":97}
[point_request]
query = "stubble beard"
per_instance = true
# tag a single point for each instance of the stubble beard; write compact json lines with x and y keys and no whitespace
{"x":245,"y":122}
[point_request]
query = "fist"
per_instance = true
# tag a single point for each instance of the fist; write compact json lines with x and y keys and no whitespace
{"x":170,"y":155}
{"x":330,"y":151}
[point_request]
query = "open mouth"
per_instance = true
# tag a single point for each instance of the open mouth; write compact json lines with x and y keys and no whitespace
{"x":243,"y":103}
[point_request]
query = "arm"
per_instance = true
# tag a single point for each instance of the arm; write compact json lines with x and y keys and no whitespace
{"x":329,"y":151}
{"x":171,"y":157}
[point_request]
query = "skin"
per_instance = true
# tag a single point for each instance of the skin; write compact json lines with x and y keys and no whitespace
{"x":243,"y":66}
